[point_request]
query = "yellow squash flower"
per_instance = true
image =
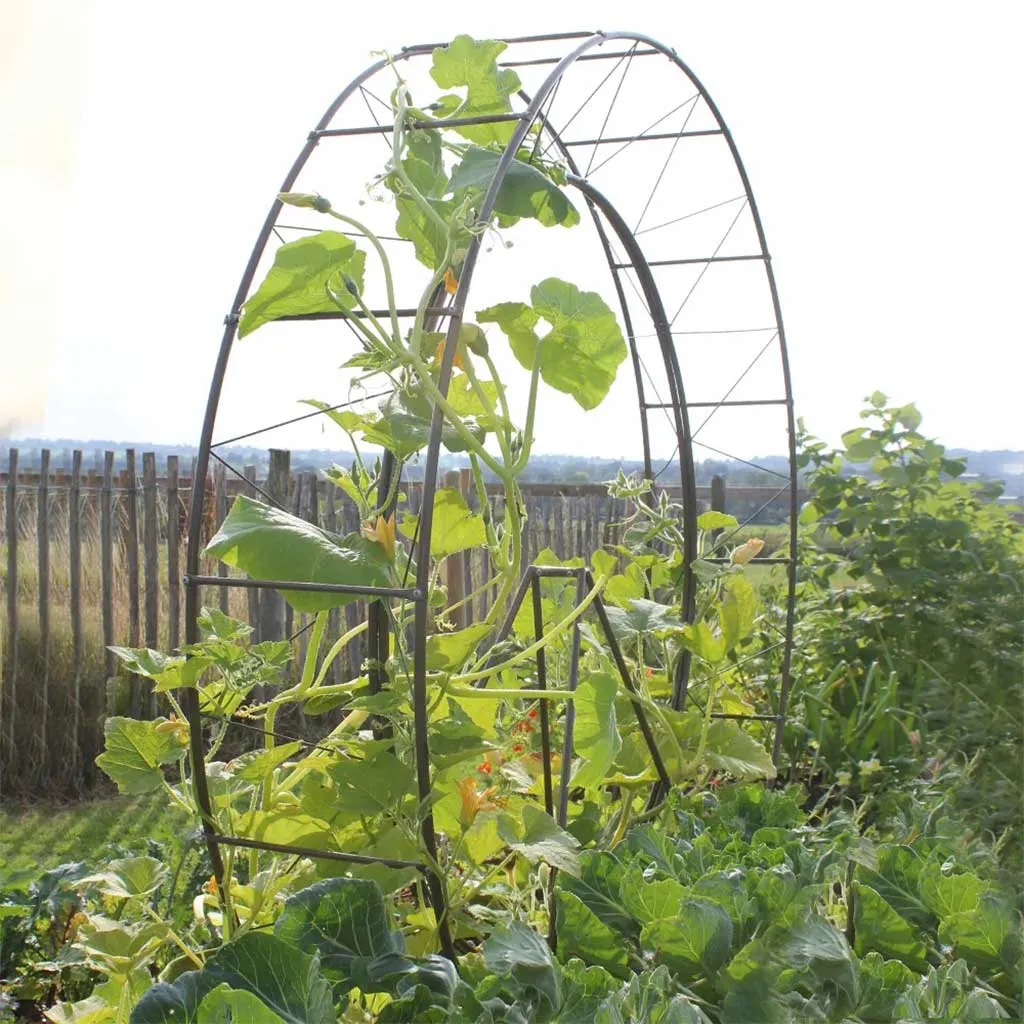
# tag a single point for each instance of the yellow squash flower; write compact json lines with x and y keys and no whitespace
{"x":383,"y":532}
{"x":473,"y":801}
{"x":745,"y":552}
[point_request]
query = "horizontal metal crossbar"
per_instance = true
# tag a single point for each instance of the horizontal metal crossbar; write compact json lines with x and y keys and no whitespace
{"x":745,"y":718}
{"x":642,"y":138}
{"x":556,"y":571}
{"x":384,"y":129}
{"x":537,"y":61}
{"x":358,"y":314}
{"x":411,"y":593}
{"x":308,"y":851}
{"x":695,"y":259}
{"x":755,"y":561}
{"x":716,"y":405}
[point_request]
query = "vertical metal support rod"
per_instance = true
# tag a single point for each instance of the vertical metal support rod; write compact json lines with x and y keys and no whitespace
{"x":570,"y":707}
{"x":542,"y":684}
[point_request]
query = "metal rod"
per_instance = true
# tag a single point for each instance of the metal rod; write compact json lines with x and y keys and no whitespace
{"x":194,"y":580}
{"x":358,"y":314}
{"x":308,"y":851}
{"x":681,"y":418}
{"x":755,"y":561}
{"x":299,"y":419}
{"x":695,"y":259}
{"x":510,"y":616}
{"x":744,"y":718}
{"x":739,"y":402}
{"x":570,"y":706}
{"x":643,"y":138}
{"x":627,"y":681}
{"x":587,"y":56}
{"x":383,"y":129}
{"x":542,"y":684}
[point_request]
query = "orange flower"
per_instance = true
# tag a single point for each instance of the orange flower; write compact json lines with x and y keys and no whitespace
{"x":451,"y":282}
{"x":484,"y":767}
{"x":383,"y":532}
{"x":517,"y":748}
{"x":532,"y":712}
{"x":439,"y":354}
{"x":473,"y":801}
{"x":745,"y":552}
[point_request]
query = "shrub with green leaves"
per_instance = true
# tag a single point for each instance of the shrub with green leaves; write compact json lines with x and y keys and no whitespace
{"x":910,"y":622}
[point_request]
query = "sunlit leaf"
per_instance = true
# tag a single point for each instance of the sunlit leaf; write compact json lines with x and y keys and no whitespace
{"x":473,"y":65}
{"x":298,"y":281}
{"x":455,"y":528}
{"x":268,"y":543}
{"x":596,"y":736}
{"x":582,"y":933}
{"x":135,"y":750}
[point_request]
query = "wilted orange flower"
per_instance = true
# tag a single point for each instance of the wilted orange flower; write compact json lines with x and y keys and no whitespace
{"x":473,"y":801}
{"x":210,"y":885}
{"x":439,"y":354}
{"x":383,"y":532}
{"x":451,"y":282}
{"x":175,"y":725}
{"x":745,"y":552}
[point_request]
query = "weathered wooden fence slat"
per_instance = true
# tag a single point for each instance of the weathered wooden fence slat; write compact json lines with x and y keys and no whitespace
{"x":75,"y":595}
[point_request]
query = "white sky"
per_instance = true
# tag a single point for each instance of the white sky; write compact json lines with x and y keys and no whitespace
{"x":140,"y":145}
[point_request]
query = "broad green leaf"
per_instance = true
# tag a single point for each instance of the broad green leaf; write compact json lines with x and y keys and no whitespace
{"x":135,"y":750}
{"x":298,"y":281}
{"x":651,"y":899}
{"x":715,"y":520}
{"x":988,"y":937}
{"x":473,"y":65}
{"x":582,"y":933}
{"x":268,"y":543}
{"x":449,"y":651}
{"x":878,"y":399}
{"x":541,"y":839}
{"x":909,"y":417}
{"x":945,"y":895}
{"x":168,"y":671}
{"x":288,"y":981}
{"x":256,"y":765}
{"x":698,"y":638}
{"x":737,"y":612}
{"x":174,"y":1003}
{"x":643,"y":618}
{"x":518,"y":321}
{"x":455,"y":528}
{"x":372,"y":786}
{"x":429,"y":240}
{"x":346,"y":921}
{"x":730,"y":749}
{"x":520,"y":953}
{"x":815,"y":944}
{"x":881,"y":983}
{"x":696,"y":942}
{"x":878,"y":927}
{"x":896,"y":876}
{"x":226,"y":1005}
{"x":598,"y":885}
{"x":584,"y":989}
{"x":650,"y":998}
{"x":596,"y":737}
{"x":525,"y":192}
{"x":583,"y":350}
{"x":93,"y":1010}
{"x":130,"y":877}
{"x":119,"y":948}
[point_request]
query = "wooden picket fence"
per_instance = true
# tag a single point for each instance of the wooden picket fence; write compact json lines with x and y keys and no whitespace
{"x":94,"y":558}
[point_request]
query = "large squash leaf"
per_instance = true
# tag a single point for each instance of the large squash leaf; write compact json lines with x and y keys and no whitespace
{"x":525,"y":192}
{"x":297,"y":282}
{"x":271,"y":544}
{"x":581,"y":354}
{"x":135,"y":750}
{"x":473,"y":65}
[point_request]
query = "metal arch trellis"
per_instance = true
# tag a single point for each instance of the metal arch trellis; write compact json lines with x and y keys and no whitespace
{"x":610,"y":225}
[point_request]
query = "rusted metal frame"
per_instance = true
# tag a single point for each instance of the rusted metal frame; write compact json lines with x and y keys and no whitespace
{"x":569,"y":726}
{"x":195,"y":580}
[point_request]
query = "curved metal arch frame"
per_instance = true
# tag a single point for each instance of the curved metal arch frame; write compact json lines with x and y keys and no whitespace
{"x":599,"y":206}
